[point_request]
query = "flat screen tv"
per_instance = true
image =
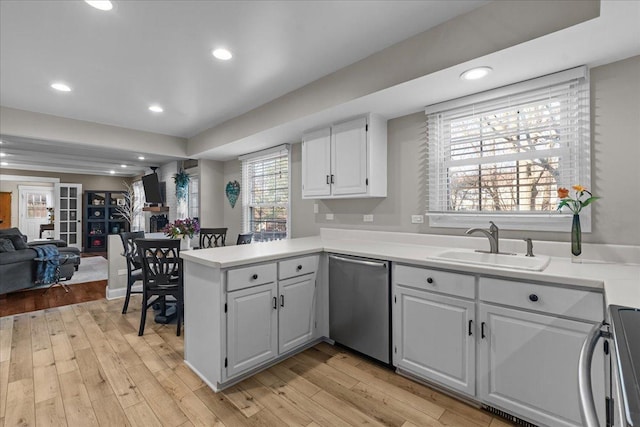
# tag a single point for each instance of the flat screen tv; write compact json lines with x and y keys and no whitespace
{"x":152,"y":192}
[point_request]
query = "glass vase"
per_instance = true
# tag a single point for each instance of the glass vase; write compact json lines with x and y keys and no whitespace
{"x":576,"y":239}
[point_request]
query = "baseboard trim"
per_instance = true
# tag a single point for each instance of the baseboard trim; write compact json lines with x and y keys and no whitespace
{"x":120,"y":292}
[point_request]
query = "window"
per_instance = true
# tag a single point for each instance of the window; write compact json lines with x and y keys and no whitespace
{"x":265,"y":196}
{"x":504,"y":153}
{"x":138,"y":217}
{"x":194,"y":197}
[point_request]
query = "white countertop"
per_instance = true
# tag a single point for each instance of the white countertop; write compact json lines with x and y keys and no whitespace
{"x":621,"y":282}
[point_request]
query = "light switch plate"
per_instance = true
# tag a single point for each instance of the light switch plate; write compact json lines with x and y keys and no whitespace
{"x":316,"y":208}
{"x":367,"y":218}
{"x":417,"y":219}
{"x":329,"y":217}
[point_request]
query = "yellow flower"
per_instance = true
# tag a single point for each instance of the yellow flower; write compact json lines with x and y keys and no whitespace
{"x":562,"y":193}
{"x":579,"y":188}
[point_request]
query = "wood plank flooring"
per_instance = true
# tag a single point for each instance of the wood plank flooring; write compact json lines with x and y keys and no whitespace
{"x":84,"y":365}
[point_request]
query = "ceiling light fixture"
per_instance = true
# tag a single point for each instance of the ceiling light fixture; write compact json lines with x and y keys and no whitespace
{"x":100,"y":4}
{"x":3,"y":154}
{"x":476,"y":73}
{"x":140,"y":157}
{"x":222,"y":54}
{"x":112,"y":172}
{"x":4,"y":164}
{"x":156,"y":108}
{"x":123,"y":166}
{"x":61,"y":87}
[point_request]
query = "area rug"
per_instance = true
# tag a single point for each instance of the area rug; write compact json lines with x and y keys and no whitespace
{"x":91,"y":269}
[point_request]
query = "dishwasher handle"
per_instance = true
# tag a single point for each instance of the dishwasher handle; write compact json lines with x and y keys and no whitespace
{"x":585,"y":390}
{"x":359,"y":261}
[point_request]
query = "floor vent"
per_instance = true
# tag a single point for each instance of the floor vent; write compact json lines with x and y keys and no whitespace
{"x":509,"y":417}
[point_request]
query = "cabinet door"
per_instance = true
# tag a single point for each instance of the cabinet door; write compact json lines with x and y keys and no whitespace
{"x":251,"y":327}
{"x":349,"y":157}
{"x":316,"y":163}
{"x":528,"y":365}
{"x":297,"y":311}
{"x":434,"y":337}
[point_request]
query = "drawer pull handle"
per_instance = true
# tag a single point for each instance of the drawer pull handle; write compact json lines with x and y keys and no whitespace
{"x":275,"y":303}
{"x":470,"y":327}
{"x":429,"y":280}
{"x":482,"y":335}
{"x":298,"y":268}
{"x":254,"y":277}
{"x":281,"y":300}
{"x":533,"y":297}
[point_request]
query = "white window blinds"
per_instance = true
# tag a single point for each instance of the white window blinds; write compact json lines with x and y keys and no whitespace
{"x":265,"y":196}
{"x":506,"y":152}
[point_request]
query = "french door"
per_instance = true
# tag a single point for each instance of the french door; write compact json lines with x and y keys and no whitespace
{"x":68,"y":214}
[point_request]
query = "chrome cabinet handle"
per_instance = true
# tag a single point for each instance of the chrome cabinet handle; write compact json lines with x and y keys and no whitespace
{"x":585,"y":390}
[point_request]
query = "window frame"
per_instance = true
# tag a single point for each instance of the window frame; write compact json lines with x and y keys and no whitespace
{"x":510,"y":220}
{"x":246,"y":191}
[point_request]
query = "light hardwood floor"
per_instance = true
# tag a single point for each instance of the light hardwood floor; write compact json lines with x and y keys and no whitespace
{"x":84,"y":365}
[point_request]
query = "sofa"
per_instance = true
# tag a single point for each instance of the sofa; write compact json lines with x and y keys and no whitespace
{"x":17,"y":265}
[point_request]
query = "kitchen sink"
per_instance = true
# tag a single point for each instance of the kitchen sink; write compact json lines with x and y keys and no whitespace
{"x":514,"y":261}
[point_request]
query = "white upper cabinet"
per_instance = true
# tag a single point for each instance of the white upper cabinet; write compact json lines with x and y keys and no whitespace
{"x":346,"y":160}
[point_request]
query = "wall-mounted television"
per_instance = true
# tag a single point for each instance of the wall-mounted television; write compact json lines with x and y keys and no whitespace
{"x":152,"y":189}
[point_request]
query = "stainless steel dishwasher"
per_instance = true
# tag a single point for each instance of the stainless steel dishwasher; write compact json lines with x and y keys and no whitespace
{"x":359,"y":305}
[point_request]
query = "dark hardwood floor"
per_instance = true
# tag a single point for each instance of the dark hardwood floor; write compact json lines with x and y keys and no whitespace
{"x":37,"y":299}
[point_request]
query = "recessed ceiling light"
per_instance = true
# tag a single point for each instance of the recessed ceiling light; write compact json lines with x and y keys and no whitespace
{"x":123,"y":166}
{"x":223,"y":54}
{"x":156,"y":108}
{"x":476,"y":73}
{"x":3,"y":154}
{"x":112,"y":172}
{"x":61,"y":87}
{"x":100,"y":4}
{"x":140,"y":157}
{"x":4,"y":164}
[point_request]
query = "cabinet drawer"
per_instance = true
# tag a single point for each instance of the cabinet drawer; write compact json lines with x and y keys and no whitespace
{"x":548,"y":299}
{"x":297,"y":266}
{"x":461,"y":285}
{"x":253,"y":275}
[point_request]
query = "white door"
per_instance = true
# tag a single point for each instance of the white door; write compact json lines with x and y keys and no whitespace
{"x":297,"y":311}
{"x":35,"y":202}
{"x":434,"y":337}
{"x":349,"y":157}
{"x":316,"y":163}
{"x":68,"y":214}
{"x":528,"y":365}
{"x":252,"y":331}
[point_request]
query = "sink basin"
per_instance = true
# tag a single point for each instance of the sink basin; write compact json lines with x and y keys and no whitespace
{"x":518,"y":262}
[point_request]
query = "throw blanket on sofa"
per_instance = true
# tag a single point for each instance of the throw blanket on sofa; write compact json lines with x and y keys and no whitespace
{"x":47,"y":268}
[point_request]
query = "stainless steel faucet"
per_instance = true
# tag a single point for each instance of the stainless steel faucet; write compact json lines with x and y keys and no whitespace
{"x":492,"y":234}
{"x":529,"y":247}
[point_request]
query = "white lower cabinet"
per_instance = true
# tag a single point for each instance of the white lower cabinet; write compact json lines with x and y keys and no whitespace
{"x":528,"y":365}
{"x":435,"y":337}
{"x":252,"y":327}
{"x":266,"y":320}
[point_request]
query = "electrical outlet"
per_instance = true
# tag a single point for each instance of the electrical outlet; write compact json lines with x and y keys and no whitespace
{"x":367,"y":218}
{"x":417,"y":219}
{"x":316,"y":208}
{"x":329,"y":217}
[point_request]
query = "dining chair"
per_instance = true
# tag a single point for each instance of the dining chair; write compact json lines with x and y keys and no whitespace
{"x":244,"y":239}
{"x":212,"y":237}
{"x":161,"y":275}
{"x":134,"y":268}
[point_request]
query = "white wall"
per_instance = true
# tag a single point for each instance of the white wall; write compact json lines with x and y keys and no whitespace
{"x":211,"y":193}
{"x":615,"y":118}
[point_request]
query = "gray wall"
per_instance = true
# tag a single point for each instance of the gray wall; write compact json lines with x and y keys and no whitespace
{"x":615,"y":134}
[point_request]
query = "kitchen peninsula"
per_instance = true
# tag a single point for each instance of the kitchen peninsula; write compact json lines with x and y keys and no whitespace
{"x":248,"y":307}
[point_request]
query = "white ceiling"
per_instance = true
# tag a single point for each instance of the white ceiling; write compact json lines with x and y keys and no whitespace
{"x":143,"y":52}
{"x":159,"y":51}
